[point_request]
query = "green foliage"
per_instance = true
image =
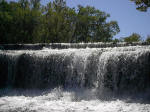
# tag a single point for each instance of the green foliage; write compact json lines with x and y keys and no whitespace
{"x":148,"y":39}
{"x":18,"y":22}
{"x":27,"y":21}
{"x":133,"y":38}
{"x":116,"y":40}
{"x":91,"y":25}
{"x":142,"y":5}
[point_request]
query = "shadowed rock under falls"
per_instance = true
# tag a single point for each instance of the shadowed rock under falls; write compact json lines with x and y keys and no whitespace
{"x":117,"y":70}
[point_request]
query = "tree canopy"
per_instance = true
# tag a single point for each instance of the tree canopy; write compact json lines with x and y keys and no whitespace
{"x":133,"y":38}
{"x":27,"y":21}
{"x":148,"y":39}
{"x":142,"y":5}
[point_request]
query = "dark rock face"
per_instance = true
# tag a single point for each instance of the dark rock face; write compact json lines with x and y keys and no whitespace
{"x":119,"y":69}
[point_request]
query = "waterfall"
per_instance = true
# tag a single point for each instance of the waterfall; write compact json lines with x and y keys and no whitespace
{"x":117,"y":70}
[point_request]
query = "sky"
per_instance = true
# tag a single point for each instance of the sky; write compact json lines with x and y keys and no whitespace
{"x":124,"y":12}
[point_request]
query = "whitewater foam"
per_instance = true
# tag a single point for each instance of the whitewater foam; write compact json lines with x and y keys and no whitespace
{"x":58,"y":100}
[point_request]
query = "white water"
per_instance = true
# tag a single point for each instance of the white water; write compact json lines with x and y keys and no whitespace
{"x":58,"y":100}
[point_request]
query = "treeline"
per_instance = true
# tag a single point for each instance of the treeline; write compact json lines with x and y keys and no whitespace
{"x":27,"y":21}
{"x":134,"y":37}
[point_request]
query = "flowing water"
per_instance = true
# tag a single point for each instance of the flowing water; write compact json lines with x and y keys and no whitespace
{"x":75,"y":79}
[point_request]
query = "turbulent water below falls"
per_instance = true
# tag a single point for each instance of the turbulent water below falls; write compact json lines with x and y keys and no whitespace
{"x":58,"y":100}
{"x":113,"y":79}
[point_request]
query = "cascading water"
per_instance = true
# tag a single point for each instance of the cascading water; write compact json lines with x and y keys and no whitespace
{"x":78,"y":77}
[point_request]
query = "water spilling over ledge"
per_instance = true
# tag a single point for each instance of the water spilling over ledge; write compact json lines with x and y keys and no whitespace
{"x":95,"y":72}
{"x":69,"y":45}
{"x":118,"y":69}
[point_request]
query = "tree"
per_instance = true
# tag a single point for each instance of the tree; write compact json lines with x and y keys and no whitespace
{"x":6,"y":21}
{"x":142,"y":5}
{"x":91,"y":25}
{"x":59,"y":22}
{"x":19,"y":22}
{"x":148,"y":39}
{"x":115,"y":40}
{"x":133,"y":38}
{"x":35,"y":4}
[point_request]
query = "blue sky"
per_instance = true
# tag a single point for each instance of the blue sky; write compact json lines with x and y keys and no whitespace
{"x":123,"y":11}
